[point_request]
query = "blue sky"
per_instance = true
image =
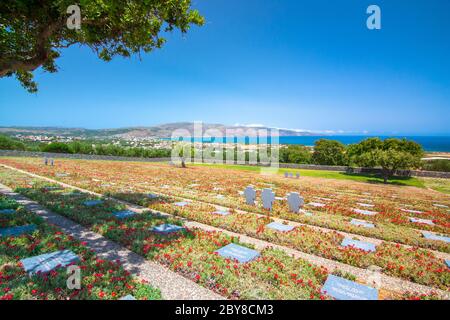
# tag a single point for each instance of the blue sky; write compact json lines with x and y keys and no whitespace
{"x":289,"y":64}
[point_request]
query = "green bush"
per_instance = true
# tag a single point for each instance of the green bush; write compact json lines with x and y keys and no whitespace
{"x":6,"y":143}
{"x":441,"y":165}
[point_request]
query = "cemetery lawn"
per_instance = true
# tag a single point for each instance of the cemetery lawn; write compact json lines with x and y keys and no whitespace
{"x":441,"y":185}
{"x":368,"y":178}
{"x":392,"y":207}
{"x":100,"y":279}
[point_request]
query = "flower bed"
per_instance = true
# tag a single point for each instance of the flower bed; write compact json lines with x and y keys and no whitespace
{"x":392,"y":224}
{"x":191,"y":252}
{"x":100,"y":279}
{"x":412,"y":264}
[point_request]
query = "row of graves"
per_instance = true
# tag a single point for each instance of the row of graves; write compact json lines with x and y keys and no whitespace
{"x":297,"y":202}
{"x":336,"y":287}
{"x":44,"y":263}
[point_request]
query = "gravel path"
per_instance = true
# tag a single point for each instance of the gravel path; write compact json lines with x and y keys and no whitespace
{"x":364,"y":275}
{"x":172,"y":285}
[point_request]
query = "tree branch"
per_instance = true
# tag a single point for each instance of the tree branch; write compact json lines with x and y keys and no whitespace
{"x":39,"y":55}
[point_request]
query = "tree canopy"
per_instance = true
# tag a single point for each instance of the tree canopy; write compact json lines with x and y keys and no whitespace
{"x":390,"y":154}
{"x":33,"y":32}
{"x":329,"y":152}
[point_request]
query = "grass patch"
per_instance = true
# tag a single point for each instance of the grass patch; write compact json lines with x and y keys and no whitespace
{"x":441,"y":185}
{"x":367,"y":178}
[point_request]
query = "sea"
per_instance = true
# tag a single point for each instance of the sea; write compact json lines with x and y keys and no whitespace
{"x":429,"y":143}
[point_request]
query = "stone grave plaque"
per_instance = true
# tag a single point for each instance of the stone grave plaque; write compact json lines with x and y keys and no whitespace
{"x":280,"y":227}
{"x":7,"y":211}
{"x":124,"y":214}
{"x":47,"y":262}
{"x":92,"y":203}
{"x":343,"y":289}
{"x":423,"y":221}
{"x":317,"y":204}
{"x":17,"y":231}
{"x":366,"y":246}
{"x":365,"y":212}
{"x":411,"y":211}
{"x":166,"y":228}
{"x":222,"y":212}
{"x":362,"y":223}
{"x":366,"y":205}
{"x":128,"y":297}
{"x":152,"y":196}
{"x":433,"y":236}
{"x":181,"y":204}
{"x":240,"y":253}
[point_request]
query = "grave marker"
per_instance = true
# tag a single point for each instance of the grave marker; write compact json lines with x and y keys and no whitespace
{"x":295,"y":201}
{"x":280,"y":227}
{"x":316,"y":204}
{"x":440,"y":205}
{"x":362,"y":223}
{"x":365,"y":212}
{"x":343,"y":289}
{"x":366,"y":246}
{"x":124,"y":214}
{"x":222,"y":212}
{"x":433,"y":236}
{"x":181,"y":204}
{"x":423,"y":221}
{"x":166,"y":228}
{"x":47,"y":262}
{"x":17,"y":231}
{"x":92,"y":203}
{"x":152,"y":196}
{"x":128,"y":297}
{"x":7,"y":211}
{"x":411,"y":211}
{"x":268,"y":196}
{"x":250,"y":195}
{"x":240,"y":253}
{"x":366,"y":205}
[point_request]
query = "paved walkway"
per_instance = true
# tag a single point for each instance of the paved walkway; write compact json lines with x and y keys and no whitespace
{"x":172,"y":285}
{"x":386,"y":282}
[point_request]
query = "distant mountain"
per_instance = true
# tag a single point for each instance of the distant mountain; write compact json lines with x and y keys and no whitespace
{"x":159,"y":131}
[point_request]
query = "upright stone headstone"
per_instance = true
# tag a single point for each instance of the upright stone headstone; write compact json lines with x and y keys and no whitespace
{"x":286,"y":174}
{"x":297,"y":175}
{"x":250,"y":195}
{"x":52,"y":162}
{"x":295,"y":201}
{"x":268,"y":196}
{"x":45,"y":161}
